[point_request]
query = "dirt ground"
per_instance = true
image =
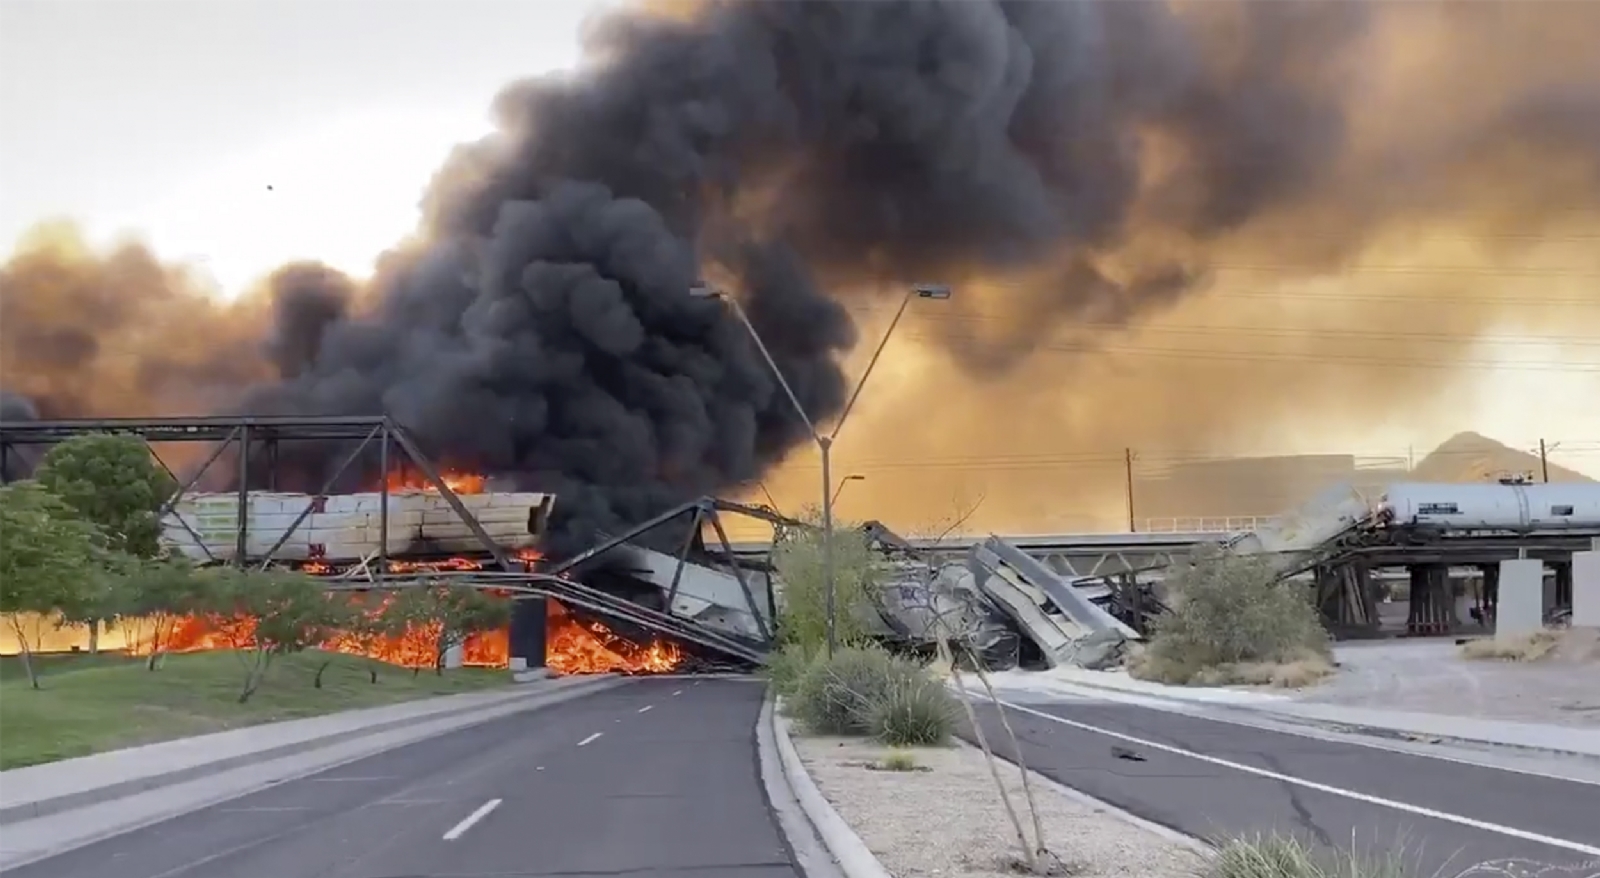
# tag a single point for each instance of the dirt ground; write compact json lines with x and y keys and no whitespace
{"x":1432,"y":677}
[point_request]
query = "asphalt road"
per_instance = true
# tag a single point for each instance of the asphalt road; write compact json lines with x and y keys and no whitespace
{"x":655,"y":777}
{"x":1213,"y":779}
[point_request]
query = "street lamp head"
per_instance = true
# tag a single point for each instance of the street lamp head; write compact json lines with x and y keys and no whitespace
{"x":931,"y":291}
{"x":855,"y":477}
{"x":702,"y":290}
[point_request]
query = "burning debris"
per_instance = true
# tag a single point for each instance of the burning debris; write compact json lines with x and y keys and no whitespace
{"x":573,"y":646}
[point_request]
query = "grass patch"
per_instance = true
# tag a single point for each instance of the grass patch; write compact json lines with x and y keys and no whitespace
{"x":897,"y":760}
{"x":1284,"y":856}
{"x":1533,"y":647}
{"x":92,"y":704}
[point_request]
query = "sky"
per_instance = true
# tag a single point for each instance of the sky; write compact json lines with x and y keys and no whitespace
{"x":174,"y":117}
{"x":239,"y":134}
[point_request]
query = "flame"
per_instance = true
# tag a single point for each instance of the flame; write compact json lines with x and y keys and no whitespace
{"x":413,"y":649}
{"x":573,"y":647}
{"x":456,"y":480}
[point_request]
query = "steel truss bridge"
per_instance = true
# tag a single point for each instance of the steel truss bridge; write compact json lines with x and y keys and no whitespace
{"x":1071,"y":555}
{"x":247,"y":453}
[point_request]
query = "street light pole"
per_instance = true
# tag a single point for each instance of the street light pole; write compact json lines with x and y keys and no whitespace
{"x":825,"y":442}
{"x":839,"y":488}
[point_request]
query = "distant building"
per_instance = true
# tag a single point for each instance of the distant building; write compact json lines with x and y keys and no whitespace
{"x":1242,"y":487}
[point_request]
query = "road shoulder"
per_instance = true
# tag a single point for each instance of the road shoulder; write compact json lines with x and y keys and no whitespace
{"x":944,"y":815}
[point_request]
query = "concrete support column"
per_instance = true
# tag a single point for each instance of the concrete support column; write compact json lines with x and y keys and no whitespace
{"x":1586,"y":588}
{"x":1432,"y":603}
{"x":528,"y":624}
{"x":1560,"y":586}
{"x":1521,"y":609}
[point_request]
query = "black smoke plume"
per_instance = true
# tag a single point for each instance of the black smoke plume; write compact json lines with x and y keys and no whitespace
{"x":806,"y":153}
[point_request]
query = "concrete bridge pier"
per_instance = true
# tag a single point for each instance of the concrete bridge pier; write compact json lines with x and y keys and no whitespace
{"x":528,"y":623}
{"x":1432,"y":604}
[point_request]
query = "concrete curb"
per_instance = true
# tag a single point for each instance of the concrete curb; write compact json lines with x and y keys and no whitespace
{"x":57,"y":804}
{"x":1385,"y":733}
{"x":1244,"y":714}
{"x":59,"y":833}
{"x":807,"y":847}
{"x":852,"y":856}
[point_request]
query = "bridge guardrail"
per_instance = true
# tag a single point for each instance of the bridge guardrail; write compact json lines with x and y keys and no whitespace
{"x":1207,"y":524}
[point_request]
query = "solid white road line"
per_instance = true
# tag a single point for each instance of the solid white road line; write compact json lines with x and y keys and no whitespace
{"x":646,"y":707}
{"x":460,"y":829}
{"x":1418,"y":810}
{"x":590,"y":739}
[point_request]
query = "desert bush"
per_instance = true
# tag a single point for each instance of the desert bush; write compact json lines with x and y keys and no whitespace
{"x":786,"y":666}
{"x":832,"y":695}
{"x":1232,"y":621}
{"x":1284,"y":856}
{"x":914,"y":710}
{"x":867,"y":691}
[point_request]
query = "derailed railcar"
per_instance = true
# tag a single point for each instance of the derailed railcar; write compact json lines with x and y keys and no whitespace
{"x":1492,"y":508}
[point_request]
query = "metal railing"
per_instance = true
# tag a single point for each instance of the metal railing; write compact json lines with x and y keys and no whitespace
{"x":1207,"y":524}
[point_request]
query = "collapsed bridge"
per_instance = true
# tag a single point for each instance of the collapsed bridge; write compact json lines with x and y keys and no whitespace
{"x":1031,"y":601}
{"x":419,"y":525}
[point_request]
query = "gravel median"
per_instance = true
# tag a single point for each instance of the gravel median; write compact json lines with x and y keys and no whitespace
{"x":944,"y":817}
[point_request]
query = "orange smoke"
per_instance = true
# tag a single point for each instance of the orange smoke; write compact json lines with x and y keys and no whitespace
{"x":573,"y":647}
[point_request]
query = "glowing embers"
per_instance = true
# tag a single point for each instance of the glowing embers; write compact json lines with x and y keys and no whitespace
{"x":577,"y":647}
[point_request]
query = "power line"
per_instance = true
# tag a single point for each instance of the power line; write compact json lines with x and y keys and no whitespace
{"x":1330,"y":360}
{"x":1215,"y":330}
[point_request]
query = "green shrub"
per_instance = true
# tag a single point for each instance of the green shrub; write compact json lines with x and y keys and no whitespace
{"x":1233,"y":621}
{"x":913,"y":711}
{"x":867,"y":691}
{"x":797,"y":558}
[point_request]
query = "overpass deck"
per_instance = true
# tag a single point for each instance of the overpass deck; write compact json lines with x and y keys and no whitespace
{"x":1090,"y":554}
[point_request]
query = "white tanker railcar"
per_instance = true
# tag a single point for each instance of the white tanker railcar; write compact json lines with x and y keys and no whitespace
{"x":1526,"y":508}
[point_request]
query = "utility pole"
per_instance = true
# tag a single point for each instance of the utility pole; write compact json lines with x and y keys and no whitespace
{"x":1127,"y":468}
{"x":1544,"y":462}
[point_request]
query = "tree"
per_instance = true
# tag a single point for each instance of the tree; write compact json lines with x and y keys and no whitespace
{"x":113,"y":482}
{"x":47,"y":555}
{"x":449,"y":616}
{"x":858,"y":573}
{"x":265,"y":614}
{"x":160,"y":594}
{"x":374,"y":620}
{"x":463,"y":612}
{"x":101,"y":596}
{"x":338,"y":617}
